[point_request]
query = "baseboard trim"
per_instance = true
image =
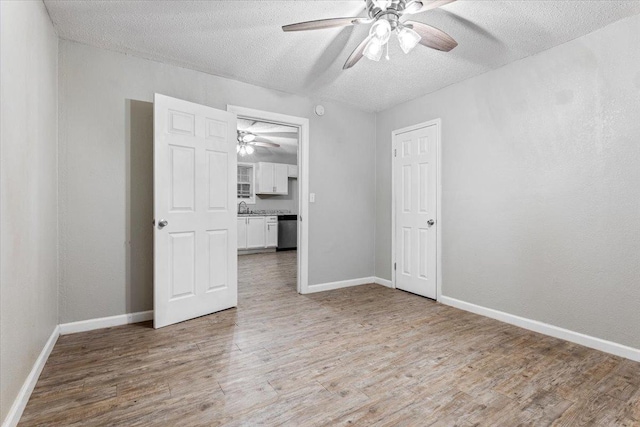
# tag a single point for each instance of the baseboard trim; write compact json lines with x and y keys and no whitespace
{"x":320,"y":287}
{"x":20,"y":402}
{"x":384,"y":282}
{"x":547,"y":329}
{"x":105,"y":322}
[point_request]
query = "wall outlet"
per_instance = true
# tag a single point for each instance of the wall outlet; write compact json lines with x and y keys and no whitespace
{"x":312,"y":197}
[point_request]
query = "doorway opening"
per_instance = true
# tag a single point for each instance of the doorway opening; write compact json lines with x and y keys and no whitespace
{"x":271,"y":202}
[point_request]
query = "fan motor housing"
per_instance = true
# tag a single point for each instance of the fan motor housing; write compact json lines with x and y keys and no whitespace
{"x":395,"y":7}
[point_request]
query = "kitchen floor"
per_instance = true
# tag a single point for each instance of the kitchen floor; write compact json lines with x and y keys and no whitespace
{"x":276,"y":270}
{"x":365,"y":355}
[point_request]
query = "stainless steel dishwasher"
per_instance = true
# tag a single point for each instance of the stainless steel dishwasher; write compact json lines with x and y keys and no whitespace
{"x":287,"y":232}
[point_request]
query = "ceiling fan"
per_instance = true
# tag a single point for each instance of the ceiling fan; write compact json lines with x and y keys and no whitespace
{"x":247,"y":141}
{"x":386,"y":18}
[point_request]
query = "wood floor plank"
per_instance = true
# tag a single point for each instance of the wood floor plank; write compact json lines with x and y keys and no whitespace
{"x":366,"y":355}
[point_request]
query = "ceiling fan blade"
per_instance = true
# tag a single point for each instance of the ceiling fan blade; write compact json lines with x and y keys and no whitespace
{"x":357,"y":54}
{"x":427,"y":5}
{"x":433,"y":37}
{"x":244,"y":125}
{"x":264,"y":144}
{"x":321,"y":24}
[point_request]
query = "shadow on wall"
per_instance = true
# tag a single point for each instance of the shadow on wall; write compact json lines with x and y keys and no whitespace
{"x":139,"y":205}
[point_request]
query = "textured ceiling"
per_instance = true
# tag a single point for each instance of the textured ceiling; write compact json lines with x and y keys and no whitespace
{"x":243,"y":40}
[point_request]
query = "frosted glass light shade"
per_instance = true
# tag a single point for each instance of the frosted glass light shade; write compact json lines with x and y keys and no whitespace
{"x":381,"y":30}
{"x":373,"y":49}
{"x":408,"y":39}
{"x":249,"y":149}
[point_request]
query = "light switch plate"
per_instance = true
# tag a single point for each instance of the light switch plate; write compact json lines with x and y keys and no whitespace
{"x":312,"y":197}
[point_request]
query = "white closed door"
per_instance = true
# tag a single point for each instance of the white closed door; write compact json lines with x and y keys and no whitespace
{"x":195,"y":262}
{"x":415,"y":207}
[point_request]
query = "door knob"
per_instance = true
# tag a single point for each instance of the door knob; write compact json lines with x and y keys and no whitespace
{"x":163,"y":223}
{"x":430,"y":222}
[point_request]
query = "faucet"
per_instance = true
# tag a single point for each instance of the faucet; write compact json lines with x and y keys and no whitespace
{"x":246,"y":208}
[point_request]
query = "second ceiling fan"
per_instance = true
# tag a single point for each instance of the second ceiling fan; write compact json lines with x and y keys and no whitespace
{"x":386,"y":18}
{"x":252,"y":134}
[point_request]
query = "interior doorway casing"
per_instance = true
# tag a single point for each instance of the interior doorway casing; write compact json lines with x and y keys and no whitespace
{"x":303,"y":181}
{"x":438,"y":223}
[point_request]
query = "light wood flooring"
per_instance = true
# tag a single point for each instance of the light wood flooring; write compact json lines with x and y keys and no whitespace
{"x":363,"y":356}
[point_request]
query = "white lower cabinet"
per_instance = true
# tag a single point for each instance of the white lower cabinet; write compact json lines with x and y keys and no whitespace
{"x":242,"y":233}
{"x":272,"y":232}
{"x":257,"y":232}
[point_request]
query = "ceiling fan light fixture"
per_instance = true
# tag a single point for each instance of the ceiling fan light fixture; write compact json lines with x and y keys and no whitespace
{"x":408,"y":39}
{"x":242,"y":151}
{"x":373,"y":50}
{"x":381,"y":29}
{"x":249,"y":149}
{"x":248,"y":137}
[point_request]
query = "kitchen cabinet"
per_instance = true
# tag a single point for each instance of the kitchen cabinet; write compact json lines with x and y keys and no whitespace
{"x":272,"y":232}
{"x":272,"y":178}
{"x":292,"y":171}
{"x":242,"y":233}
{"x":256,"y":232}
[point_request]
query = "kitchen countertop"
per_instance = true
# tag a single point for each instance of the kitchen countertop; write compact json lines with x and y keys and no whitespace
{"x":264,"y":214}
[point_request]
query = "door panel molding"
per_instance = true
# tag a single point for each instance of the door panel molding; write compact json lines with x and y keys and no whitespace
{"x":401,"y":148}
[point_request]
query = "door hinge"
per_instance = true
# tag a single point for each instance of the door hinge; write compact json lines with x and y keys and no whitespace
{"x":394,"y":266}
{"x":395,"y":152}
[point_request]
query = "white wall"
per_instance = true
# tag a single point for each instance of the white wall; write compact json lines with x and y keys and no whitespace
{"x":28,"y":191}
{"x":541,"y":185}
{"x":106,"y":176}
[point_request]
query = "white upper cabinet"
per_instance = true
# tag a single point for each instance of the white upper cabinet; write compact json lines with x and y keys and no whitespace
{"x":272,"y":178}
{"x":282,"y":178}
{"x":292,"y":171}
{"x":266,"y":178}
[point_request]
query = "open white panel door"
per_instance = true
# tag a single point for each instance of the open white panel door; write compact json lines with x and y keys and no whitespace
{"x":195,"y":254}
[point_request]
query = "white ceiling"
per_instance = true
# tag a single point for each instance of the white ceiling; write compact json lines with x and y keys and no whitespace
{"x":243,"y":40}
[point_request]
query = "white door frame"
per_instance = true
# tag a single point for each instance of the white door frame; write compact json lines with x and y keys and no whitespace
{"x":302,"y":124}
{"x":438,"y":225}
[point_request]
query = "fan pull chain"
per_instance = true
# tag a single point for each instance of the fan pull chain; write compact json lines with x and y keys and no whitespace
{"x":387,"y":52}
